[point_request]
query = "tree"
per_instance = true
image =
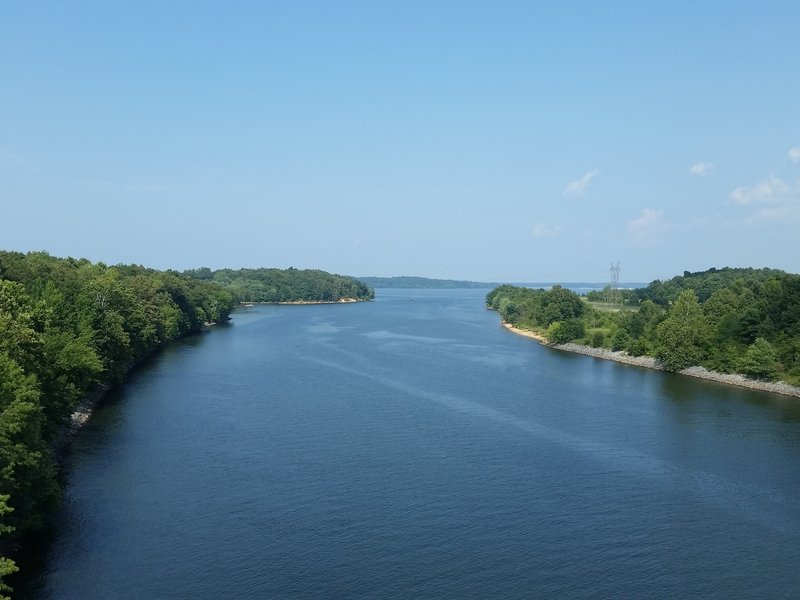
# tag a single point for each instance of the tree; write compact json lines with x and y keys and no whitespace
{"x":683,"y":337}
{"x":760,"y":361}
{"x":561,"y":304}
{"x":561,"y":332}
{"x":722,"y":303}
{"x":7,"y":566}
{"x":26,"y":468}
{"x":508,"y":310}
{"x":620,"y":340}
{"x":598,"y":338}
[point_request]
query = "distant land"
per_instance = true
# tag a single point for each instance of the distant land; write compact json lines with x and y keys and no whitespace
{"x":410,"y":282}
{"x":294,"y":286}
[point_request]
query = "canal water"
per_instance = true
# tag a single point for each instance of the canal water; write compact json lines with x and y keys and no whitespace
{"x":412,"y":448}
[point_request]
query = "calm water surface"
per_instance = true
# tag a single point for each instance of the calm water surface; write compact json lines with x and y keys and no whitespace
{"x":412,"y":448}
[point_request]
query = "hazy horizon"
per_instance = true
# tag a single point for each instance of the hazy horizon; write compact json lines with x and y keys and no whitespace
{"x":500,"y":142}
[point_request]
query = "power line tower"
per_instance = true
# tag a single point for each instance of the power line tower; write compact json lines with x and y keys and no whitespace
{"x":612,"y":291}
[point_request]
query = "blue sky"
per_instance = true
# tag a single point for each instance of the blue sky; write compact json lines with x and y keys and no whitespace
{"x":491,"y":141}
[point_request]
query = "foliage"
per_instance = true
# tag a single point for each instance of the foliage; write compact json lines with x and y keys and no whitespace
{"x":535,"y":308}
{"x":284,"y":285}
{"x":597,"y":339}
{"x":713,"y":318}
{"x":65,"y":326}
{"x":621,"y":339}
{"x":624,"y":296}
{"x":705,"y":283}
{"x":683,"y":337}
{"x":561,"y":332}
{"x":7,"y":566}
{"x":760,"y":360}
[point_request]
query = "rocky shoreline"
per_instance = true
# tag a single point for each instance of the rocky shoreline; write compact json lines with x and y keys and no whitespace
{"x":80,"y":416}
{"x":84,"y":410}
{"x":649,"y":362}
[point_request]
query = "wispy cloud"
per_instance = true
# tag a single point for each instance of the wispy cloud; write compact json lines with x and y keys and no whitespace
{"x":771,"y":190}
{"x":700,"y":169}
{"x":578,"y":187}
{"x":772,"y":200}
{"x":794,"y":155}
{"x":647,"y":225}
{"x":544,"y":230}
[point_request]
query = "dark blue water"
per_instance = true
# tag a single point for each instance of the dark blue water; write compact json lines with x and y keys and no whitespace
{"x":415,"y":449}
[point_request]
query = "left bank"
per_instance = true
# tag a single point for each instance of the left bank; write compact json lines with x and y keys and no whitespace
{"x":70,"y":330}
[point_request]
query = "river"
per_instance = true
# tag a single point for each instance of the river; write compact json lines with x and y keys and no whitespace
{"x":413,"y":448}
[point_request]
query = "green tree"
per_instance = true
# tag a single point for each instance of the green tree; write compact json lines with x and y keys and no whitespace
{"x":561,"y":332}
{"x":760,"y":361}
{"x":722,"y":303}
{"x":561,"y":304}
{"x":683,"y":337}
{"x":621,"y":339}
{"x":598,"y":339}
{"x":7,"y":566}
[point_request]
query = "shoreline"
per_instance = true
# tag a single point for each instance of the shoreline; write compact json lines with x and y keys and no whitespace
{"x":84,"y":410}
{"x":648,"y":362}
{"x":302,"y":302}
{"x":80,"y":417}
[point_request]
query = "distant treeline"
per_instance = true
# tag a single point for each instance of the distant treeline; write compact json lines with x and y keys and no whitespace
{"x":703,"y":283}
{"x":728,"y":320}
{"x":284,"y":285}
{"x":67,"y":325}
{"x":423,"y":283}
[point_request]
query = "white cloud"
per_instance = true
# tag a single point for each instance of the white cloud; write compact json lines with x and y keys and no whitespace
{"x":700,"y":169}
{"x":579,"y":187}
{"x":771,"y":190}
{"x":544,"y":230}
{"x":647,"y":225}
{"x":771,"y":200}
{"x":794,"y":155}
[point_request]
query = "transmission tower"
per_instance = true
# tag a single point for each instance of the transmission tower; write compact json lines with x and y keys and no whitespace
{"x":612,"y":292}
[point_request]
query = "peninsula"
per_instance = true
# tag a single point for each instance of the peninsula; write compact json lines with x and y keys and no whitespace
{"x":286,"y":286}
{"x":737,"y":326}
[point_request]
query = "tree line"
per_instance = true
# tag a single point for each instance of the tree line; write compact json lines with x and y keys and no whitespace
{"x":284,"y":285}
{"x":67,"y":325}
{"x":421,"y":283}
{"x":729,"y":320}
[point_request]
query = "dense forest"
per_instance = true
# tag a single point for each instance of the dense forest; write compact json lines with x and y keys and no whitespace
{"x":285,"y":285}
{"x":728,"y":320}
{"x":407,"y":282}
{"x":66,"y":326}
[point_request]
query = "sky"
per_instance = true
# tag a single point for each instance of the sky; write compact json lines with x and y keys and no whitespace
{"x":492,"y":141}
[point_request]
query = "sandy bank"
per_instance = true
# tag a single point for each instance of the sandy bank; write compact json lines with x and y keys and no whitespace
{"x":531,"y":334}
{"x":651,"y":363}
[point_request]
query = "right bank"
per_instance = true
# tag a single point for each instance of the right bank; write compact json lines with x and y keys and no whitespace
{"x":648,"y":362}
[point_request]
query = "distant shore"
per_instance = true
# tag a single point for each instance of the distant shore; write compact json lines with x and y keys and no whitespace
{"x":649,"y":362}
{"x":339,"y":301}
